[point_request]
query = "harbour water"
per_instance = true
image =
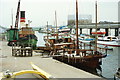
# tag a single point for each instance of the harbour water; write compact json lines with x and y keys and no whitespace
{"x":40,"y":41}
{"x":109,"y":64}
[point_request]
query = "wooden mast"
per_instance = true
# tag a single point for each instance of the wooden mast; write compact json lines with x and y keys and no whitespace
{"x":96,"y":27}
{"x":77,"y":41}
{"x":47,"y":30}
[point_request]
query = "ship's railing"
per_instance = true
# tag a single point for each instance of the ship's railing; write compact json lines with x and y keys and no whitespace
{"x":91,"y":46}
{"x":54,"y":36}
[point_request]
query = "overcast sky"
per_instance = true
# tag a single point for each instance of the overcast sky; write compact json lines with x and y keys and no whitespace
{"x":41,"y":11}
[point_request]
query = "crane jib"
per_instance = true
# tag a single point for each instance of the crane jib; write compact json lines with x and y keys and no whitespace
{"x":17,"y":15}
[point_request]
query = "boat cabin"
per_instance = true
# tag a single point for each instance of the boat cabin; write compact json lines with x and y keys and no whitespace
{"x":25,"y":31}
{"x":110,"y":38}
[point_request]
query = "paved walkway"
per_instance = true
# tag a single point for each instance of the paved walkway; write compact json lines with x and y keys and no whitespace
{"x":55,"y":68}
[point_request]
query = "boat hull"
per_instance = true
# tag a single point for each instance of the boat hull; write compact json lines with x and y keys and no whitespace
{"x":89,"y":64}
{"x":28,"y":41}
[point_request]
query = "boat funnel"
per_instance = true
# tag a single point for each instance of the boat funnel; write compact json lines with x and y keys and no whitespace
{"x":22,"y":18}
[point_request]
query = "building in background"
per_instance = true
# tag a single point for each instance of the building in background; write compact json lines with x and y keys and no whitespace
{"x":83,"y":19}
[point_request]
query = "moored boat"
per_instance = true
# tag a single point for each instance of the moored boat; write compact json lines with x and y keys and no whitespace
{"x":64,"y":29}
{"x":73,"y":52}
{"x":23,"y":37}
{"x":84,"y":37}
{"x":108,"y":38}
{"x":27,"y":37}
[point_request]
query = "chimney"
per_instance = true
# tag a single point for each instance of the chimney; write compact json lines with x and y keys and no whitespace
{"x":22,"y":18}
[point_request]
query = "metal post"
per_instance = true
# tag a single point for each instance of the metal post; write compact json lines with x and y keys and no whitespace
{"x":116,"y":31}
{"x":90,"y":31}
{"x":80,"y":30}
{"x":106,"y":30}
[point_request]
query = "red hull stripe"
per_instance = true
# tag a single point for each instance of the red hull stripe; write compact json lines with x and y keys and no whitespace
{"x":22,"y":18}
{"x":98,"y":32}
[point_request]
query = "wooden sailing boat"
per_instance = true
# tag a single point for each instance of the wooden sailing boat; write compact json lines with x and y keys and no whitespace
{"x":87,"y":59}
{"x":56,"y":38}
{"x":71,"y":51}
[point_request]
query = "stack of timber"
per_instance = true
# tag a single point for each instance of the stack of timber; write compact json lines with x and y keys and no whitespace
{"x":20,"y":51}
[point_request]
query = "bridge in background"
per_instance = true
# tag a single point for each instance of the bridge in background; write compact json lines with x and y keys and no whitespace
{"x":106,"y":26}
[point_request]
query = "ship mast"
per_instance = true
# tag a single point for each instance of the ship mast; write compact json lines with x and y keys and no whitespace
{"x":96,"y":27}
{"x":12,"y":18}
{"x":77,"y":41}
{"x":47,"y":30}
{"x":56,"y":26}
